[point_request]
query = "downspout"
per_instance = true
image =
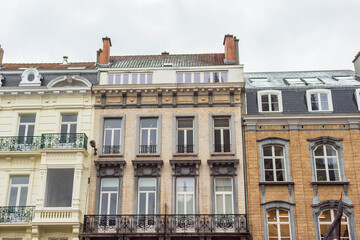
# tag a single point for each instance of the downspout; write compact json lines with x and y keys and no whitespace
{"x":245,"y":175}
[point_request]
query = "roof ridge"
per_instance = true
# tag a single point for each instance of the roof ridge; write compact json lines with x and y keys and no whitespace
{"x":46,"y":63}
{"x":181,"y":54}
{"x":303,"y":71}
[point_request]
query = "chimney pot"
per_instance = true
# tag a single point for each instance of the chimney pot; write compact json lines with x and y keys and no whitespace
{"x":165,"y":53}
{"x":65,"y":60}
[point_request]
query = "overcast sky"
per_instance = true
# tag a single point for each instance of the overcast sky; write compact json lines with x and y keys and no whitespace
{"x":275,"y":35}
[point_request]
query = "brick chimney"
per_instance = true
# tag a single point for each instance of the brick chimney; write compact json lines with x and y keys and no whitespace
{"x":103,"y":55}
{"x":231,"y":44}
{"x":1,"y":55}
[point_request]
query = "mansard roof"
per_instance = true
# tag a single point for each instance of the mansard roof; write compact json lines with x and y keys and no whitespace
{"x":173,"y":60}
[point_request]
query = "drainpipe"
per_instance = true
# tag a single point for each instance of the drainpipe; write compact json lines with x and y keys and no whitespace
{"x":245,"y":176}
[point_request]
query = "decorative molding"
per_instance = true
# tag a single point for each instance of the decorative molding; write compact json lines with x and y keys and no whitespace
{"x":73,"y":81}
{"x":182,"y":168}
{"x":223,"y":167}
{"x":110,"y":168}
{"x":147,"y":168}
{"x":31,"y":77}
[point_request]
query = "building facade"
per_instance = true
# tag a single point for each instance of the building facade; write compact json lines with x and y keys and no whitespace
{"x":168,"y":160}
{"x":301,"y":135}
{"x":46,"y":113}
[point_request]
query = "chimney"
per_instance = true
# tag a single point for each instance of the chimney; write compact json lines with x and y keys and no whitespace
{"x":356,"y":62}
{"x":1,"y":55}
{"x":231,"y":44}
{"x":104,"y":54}
{"x":65,"y":60}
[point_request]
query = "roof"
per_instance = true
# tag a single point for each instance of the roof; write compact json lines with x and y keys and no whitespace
{"x":356,"y":57}
{"x":277,"y":80}
{"x":48,"y":66}
{"x":175,"y":60}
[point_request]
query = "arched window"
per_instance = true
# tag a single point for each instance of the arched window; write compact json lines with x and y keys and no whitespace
{"x":325,"y":220}
{"x":278,"y":224}
{"x":326,"y":163}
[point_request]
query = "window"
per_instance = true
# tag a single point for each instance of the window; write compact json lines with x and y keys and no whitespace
{"x":278,"y":224}
{"x":326,"y":163}
{"x":223,"y":195}
{"x":294,"y":81}
{"x":185,"y":200}
{"x":59,"y":187}
{"x":269,"y":101}
{"x":68,"y":129}
{"x":197,"y":77}
{"x":312,"y":81}
{"x":112,"y":136}
{"x":185,"y":135}
{"x":274,"y":163}
{"x":26,"y":130}
{"x":222,"y":142}
{"x":325,"y":220}
{"x":109,"y":196}
{"x":18,"y":191}
{"x":357,"y":97}
{"x":148,"y":135}
{"x":124,"y":78}
{"x":147,"y":196}
{"x":319,"y":100}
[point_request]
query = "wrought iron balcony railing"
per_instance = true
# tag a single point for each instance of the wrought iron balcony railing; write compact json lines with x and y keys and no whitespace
{"x":111,"y":149}
{"x":16,"y":214}
{"x":185,"y":148}
{"x":222,"y":147}
{"x":165,"y":224}
{"x":148,"y":148}
{"x":45,"y":141}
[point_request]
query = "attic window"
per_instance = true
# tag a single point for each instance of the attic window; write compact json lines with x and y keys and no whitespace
{"x":312,"y":81}
{"x":347,"y":79}
{"x":258,"y":80}
{"x":167,"y":64}
{"x":76,"y":68}
{"x":294,"y":81}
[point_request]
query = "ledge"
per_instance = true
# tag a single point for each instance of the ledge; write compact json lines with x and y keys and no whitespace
{"x":147,"y":155}
{"x":330,"y":183}
{"x":109,"y":156}
{"x":179,"y":155}
{"x":276,"y":183}
{"x":219,"y":154}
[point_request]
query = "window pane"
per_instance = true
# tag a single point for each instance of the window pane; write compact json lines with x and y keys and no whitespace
{"x":148,"y":123}
{"x":228,"y":204}
{"x":72,"y":128}
{"x":221,"y":122}
{"x":69,"y":118}
{"x":111,"y":79}
{"x":134,"y":78}
{"x":113,"y":123}
{"x":320,"y":163}
{"x":23,"y":196}
{"x":151,"y":202}
{"x":179,"y":78}
{"x":226,"y":139}
{"x":30,"y":130}
{"x":265,"y":102}
{"x":59,"y":187}
{"x":216,"y":77}
{"x":224,"y":77}
{"x":181,"y":138}
{"x":280,"y":175}
{"x":206,"y":77}
{"x":324,"y":101}
{"x":314,"y":102}
{"x":109,"y":184}
{"x":126,"y":79}
{"x":64,"y":129}
{"x":196,"y":77}
{"x":149,"y":78}
{"x":185,"y":184}
{"x":219,"y":204}
{"x":21,"y":130}
{"x":147,"y":184}
{"x":13,"y":196}
{"x":153,"y":137}
{"x":142,"y":203}
{"x":284,"y":230}
{"x":321,"y":175}
{"x":334,"y":175}
{"x":274,"y":107}
{"x":181,"y":204}
{"x":185,"y":123}
{"x":319,"y":151}
{"x":20,"y":180}
{"x":330,"y":151}
{"x":268,"y":163}
{"x":142,"y":78}
{"x":279,"y":164}
{"x":189,"y":138}
{"x":108,"y":137}
{"x":27,"y":119}
{"x":113,"y":200}
{"x":117,"y":79}
{"x":325,"y":216}
{"x":217,"y":139}
{"x":269,"y":175}
{"x":187,"y":77}
{"x":278,"y":151}
{"x":144,"y":137}
{"x":273,"y":232}
{"x":189,"y":204}
{"x":267,"y":151}
{"x":271,"y":215}
{"x":104,"y":203}
{"x":223,"y":184}
{"x":283,"y":215}
{"x":116,"y":138}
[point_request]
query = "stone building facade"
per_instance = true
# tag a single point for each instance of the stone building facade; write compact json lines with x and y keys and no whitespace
{"x":301,"y":135}
{"x":46,"y":113}
{"x":168,"y":160}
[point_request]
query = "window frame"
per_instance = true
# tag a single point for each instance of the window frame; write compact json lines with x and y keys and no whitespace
{"x":269,"y":93}
{"x":158,"y":133}
{"x":279,"y":223}
{"x":109,"y":199}
{"x":102,"y":132}
{"x":232,"y":133}
{"x":332,"y":219}
{"x":112,"y":137}
{"x":185,"y":195}
{"x":19,"y":187}
{"x":223,"y":194}
{"x":147,"y":196}
{"x":195,"y":132}
{"x":273,"y":159}
{"x":325,"y":157}
{"x":318,"y":92}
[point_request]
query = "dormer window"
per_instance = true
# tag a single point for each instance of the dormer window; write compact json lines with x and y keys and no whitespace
{"x":319,"y":100}
{"x":270,"y":101}
{"x":30,"y":77}
{"x":357,"y":97}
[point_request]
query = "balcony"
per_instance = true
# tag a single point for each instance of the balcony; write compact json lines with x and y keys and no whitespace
{"x":16,"y":214}
{"x":222,"y":148}
{"x":45,"y":141}
{"x":111,"y":149}
{"x":185,"y":148}
{"x":146,"y":149}
{"x":171,"y":225}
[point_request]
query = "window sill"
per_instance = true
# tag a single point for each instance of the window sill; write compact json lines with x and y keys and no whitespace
{"x":330,"y":183}
{"x":320,"y":111}
{"x":276,"y":183}
{"x":110,"y":155}
{"x":222,"y":154}
{"x":185,"y":154}
{"x":148,"y":155}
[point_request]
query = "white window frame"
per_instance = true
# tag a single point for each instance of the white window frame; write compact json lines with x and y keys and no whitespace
{"x":149,"y":130}
{"x":333,"y":216}
{"x":19,"y":187}
{"x":26,"y":124}
{"x":222,"y":134}
{"x":278,"y":223}
{"x":185,"y":133}
{"x":273,"y":157}
{"x":69,"y":123}
{"x":269,"y":92}
{"x":325,"y":157}
{"x":319,"y":91}
{"x":109,"y":196}
{"x":224,"y":193}
{"x":112,"y":134}
{"x":185,"y":194}
{"x":147,"y":196}
{"x":357,"y":97}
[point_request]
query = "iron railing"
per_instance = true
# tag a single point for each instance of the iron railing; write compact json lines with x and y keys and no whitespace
{"x":16,"y":214}
{"x":45,"y":141}
{"x":222,"y":147}
{"x":165,"y":224}
{"x":111,"y":149}
{"x":148,"y":148}
{"x":185,"y":148}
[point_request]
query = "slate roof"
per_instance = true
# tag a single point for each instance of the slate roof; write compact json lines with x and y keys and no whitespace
{"x":276,"y":80}
{"x":177,"y":60}
{"x":47,"y":66}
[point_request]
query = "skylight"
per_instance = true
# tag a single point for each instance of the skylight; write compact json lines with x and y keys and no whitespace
{"x":294,"y":81}
{"x":76,"y":68}
{"x":258,"y":80}
{"x":348,"y":79}
{"x":312,"y":81}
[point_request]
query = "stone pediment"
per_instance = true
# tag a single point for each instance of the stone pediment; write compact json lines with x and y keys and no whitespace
{"x":69,"y":81}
